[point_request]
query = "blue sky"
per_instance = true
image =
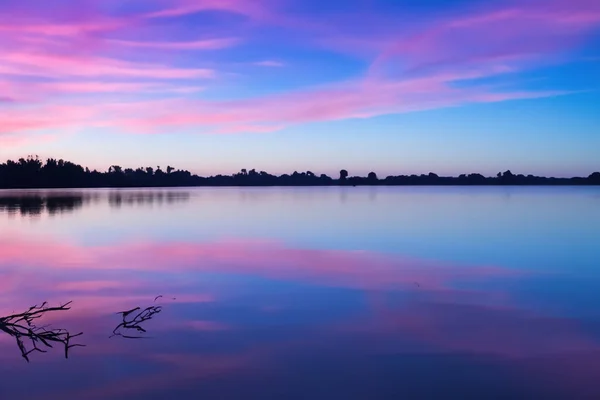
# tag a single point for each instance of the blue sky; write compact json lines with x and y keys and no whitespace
{"x":283,"y":85}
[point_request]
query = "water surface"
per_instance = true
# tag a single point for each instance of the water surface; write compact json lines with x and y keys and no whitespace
{"x":352,"y":293}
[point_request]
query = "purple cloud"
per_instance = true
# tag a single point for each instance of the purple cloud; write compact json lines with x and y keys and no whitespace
{"x":69,"y":58}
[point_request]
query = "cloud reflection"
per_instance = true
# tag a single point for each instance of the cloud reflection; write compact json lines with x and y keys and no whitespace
{"x":222,"y":327}
{"x":270,"y":260}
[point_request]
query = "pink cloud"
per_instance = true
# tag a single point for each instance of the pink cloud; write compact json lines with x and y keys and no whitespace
{"x":360,"y":99}
{"x":536,"y":29}
{"x":270,"y":63}
{"x":184,"y":7}
{"x":108,"y":87}
{"x":16,"y":120}
{"x":413,"y":67}
{"x":27,"y":92}
{"x":63,"y":65}
{"x":207,"y":44}
{"x":68,"y":29}
{"x":250,"y":128}
{"x":8,"y":140}
{"x":79,"y":58}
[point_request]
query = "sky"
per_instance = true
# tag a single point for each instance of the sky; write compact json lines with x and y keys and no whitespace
{"x":391,"y":86}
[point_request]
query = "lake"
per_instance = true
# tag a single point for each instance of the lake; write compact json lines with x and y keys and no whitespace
{"x":301,"y":293}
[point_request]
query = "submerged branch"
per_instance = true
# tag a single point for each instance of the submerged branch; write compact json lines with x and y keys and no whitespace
{"x":135,"y":323}
{"x":31,"y":338}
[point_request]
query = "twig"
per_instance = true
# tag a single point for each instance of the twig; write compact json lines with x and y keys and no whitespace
{"x":23,"y":329}
{"x":135,"y":323}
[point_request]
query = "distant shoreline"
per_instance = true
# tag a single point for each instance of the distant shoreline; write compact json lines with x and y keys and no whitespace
{"x":31,"y":173}
{"x":566,"y":184}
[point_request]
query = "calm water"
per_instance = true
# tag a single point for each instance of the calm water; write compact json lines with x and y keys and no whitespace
{"x":303,"y":293}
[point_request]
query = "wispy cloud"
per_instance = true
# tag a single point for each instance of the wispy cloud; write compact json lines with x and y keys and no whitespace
{"x":521,"y":32}
{"x":51,"y":65}
{"x":178,"y":8}
{"x":10,"y":140}
{"x":360,"y":99}
{"x":65,"y":29}
{"x":36,"y":118}
{"x":208,"y":44}
{"x":356,"y":99}
{"x":51,"y":61}
{"x":111,"y":87}
{"x":270,"y":63}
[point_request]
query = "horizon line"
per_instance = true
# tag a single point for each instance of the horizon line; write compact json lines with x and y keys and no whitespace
{"x":31,"y":172}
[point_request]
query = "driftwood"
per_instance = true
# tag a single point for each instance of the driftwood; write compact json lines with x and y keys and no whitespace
{"x":133,"y":320}
{"x":32,"y":338}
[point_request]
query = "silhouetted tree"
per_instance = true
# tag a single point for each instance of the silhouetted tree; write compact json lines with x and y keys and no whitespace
{"x":115,"y":169}
{"x":30,"y":172}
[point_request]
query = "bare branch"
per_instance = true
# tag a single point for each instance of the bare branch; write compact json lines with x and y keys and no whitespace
{"x":135,"y":323}
{"x":23,"y":329}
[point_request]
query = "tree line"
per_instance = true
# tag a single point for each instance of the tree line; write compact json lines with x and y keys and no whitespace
{"x":31,"y":172}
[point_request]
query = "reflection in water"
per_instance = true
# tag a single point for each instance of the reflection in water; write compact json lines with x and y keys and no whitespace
{"x":35,"y":205}
{"x":40,"y":338}
{"x":366,"y":301}
{"x":134,"y":323}
{"x":135,"y":198}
